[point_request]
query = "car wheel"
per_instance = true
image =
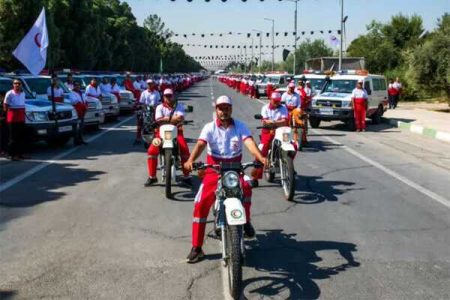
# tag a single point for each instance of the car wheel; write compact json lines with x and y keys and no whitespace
{"x":314,"y":122}
{"x":376,"y":117}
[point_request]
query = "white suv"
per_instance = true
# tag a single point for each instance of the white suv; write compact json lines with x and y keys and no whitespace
{"x":334,"y":101}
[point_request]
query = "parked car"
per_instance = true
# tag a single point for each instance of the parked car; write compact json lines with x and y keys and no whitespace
{"x":317,"y":82}
{"x":110,"y":103}
{"x":334,"y":101}
{"x":40,"y":119}
{"x":277,"y":80}
{"x":127,"y":100}
{"x":95,"y":114}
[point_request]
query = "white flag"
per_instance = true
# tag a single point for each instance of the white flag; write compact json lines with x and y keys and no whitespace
{"x":32,"y":50}
{"x":334,"y":41}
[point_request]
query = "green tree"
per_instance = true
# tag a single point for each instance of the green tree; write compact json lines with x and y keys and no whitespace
{"x":306,"y":50}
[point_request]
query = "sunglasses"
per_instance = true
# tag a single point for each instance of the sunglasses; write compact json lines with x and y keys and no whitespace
{"x":17,"y":83}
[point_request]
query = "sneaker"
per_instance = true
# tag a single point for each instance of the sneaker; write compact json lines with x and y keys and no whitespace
{"x":195,"y":255}
{"x":254,"y":183}
{"x":150,"y":181}
{"x":249,"y":231}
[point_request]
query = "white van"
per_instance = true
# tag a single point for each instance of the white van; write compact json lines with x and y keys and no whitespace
{"x":334,"y":101}
{"x":317,"y":82}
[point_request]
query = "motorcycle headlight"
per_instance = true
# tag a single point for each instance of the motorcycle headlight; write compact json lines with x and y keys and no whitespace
{"x":37,"y":116}
{"x":286,"y":137}
{"x":230,"y":180}
{"x":167,"y":135}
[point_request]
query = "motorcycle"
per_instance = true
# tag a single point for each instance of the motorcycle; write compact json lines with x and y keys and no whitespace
{"x":147,"y":115}
{"x":230,"y":218}
{"x":280,"y":159}
{"x":169,"y":157}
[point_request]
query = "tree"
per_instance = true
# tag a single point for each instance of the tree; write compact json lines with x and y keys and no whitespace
{"x":305,"y":51}
{"x":154,"y":24}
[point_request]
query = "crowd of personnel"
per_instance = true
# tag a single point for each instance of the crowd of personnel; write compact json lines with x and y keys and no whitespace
{"x":13,"y":118}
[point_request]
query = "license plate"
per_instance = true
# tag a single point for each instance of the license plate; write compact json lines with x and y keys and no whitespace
{"x":65,"y":128}
{"x":326,"y":111}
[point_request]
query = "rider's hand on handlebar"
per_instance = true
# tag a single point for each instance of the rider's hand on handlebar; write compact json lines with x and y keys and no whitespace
{"x":188,"y":165}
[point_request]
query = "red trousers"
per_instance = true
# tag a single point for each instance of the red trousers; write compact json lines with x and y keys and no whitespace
{"x":205,"y":198}
{"x":359,"y":110}
{"x":252,"y":90}
{"x":153,"y":152}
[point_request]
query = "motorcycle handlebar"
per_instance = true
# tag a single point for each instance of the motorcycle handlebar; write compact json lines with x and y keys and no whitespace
{"x":217,"y":167}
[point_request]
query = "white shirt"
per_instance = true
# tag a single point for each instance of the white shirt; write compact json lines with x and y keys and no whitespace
{"x":359,"y":93}
{"x":277,"y":114}
{"x":69,"y":85}
{"x":150,"y":98}
{"x":163,"y":111}
{"x":291,"y":100}
{"x":75,"y":98}
{"x":137,"y":85}
{"x":308,"y":91}
{"x":225,"y":142}
{"x":115,"y":88}
{"x":251,"y":83}
{"x":105,"y":88}
{"x":397,"y":85}
{"x":15,"y":100}
{"x":92,"y":91}
{"x":57,"y":91}
{"x":143,"y":84}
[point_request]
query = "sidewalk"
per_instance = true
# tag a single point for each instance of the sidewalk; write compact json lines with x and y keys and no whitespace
{"x":422,"y":118}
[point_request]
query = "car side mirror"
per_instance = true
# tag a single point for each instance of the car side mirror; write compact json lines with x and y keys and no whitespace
{"x":258,"y":117}
{"x":189,"y":108}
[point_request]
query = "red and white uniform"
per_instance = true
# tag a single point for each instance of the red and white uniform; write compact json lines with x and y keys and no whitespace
{"x":269,"y":89}
{"x":272,"y":113}
{"x":92,"y":91}
{"x":152,"y":98}
{"x":80,"y":104}
{"x":252,"y":88}
{"x":223,"y":145}
{"x":58,"y":93}
{"x":115,"y":89}
{"x":16,"y":107}
{"x":291,"y":101}
{"x":360,"y":98}
{"x":164,"y":110}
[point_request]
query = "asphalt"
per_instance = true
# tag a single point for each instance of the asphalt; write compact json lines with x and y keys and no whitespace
{"x":370,"y":220}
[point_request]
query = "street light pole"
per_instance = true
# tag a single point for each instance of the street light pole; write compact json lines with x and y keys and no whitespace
{"x":342,"y":32}
{"x":260,"y":42}
{"x":273,"y":40}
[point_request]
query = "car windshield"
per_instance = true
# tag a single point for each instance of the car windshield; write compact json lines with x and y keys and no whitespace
{"x":272,"y":79}
{"x":38,"y":85}
{"x":340,"y":86}
{"x":317,"y":84}
{"x":81,"y":80}
{"x":6,"y":85}
{"x":120,"y":80}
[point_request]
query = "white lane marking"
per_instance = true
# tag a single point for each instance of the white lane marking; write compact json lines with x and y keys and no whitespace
{"x":394,"y":174}
{"x":55,"y":159}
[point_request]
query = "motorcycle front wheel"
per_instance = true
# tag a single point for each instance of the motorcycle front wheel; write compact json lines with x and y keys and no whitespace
{"x":287,"y":176}
{"x":168,"y":172}
{"x":233,"y":240}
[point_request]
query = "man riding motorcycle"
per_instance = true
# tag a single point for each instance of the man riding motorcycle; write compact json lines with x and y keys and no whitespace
{"x":274,"y":115}
{"x":224,"y":139}
{"x":149,"y":97}
{"x":167,"y":112}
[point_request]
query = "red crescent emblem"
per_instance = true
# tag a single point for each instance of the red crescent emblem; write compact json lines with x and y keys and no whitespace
{"x":36,"y":40}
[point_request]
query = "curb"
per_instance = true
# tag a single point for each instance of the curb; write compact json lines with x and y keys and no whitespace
{"x":418,"y":129}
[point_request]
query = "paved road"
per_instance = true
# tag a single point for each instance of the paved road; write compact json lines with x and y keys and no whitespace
{"x":370,"y":220}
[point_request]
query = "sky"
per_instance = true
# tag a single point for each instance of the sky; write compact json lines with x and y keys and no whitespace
{"x":199,"y":16}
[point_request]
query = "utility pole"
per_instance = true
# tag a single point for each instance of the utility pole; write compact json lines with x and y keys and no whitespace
{"x":260,"y":42}
{"x":342,"y":34}
{"x":251,"y":61}
{"x":273,"y":41}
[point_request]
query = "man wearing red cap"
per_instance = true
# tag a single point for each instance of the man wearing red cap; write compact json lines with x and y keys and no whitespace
{"x":167,"y":112}
{"x":274,"y":115}
{"x":224,"y":139}
{"x":360,"y":103}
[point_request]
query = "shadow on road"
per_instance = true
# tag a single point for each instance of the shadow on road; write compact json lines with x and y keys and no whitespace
{"x":292,"y":267}
{"x":6,"y":295}
{"x":314,"y":189}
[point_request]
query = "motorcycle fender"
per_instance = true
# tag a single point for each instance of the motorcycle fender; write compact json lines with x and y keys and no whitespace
{"x":167,"y":144}
{"x":235,"y":212}
{"x":287,"y":147}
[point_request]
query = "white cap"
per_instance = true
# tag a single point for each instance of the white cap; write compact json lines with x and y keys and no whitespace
{"x":291,"y":84}
{"x":150,"y":81}
{"x":276,"y":96}
{"x":307,"y":81}
{"x":360,"y":81}
{"x":224,"y":100}
{"x":168,"y":92}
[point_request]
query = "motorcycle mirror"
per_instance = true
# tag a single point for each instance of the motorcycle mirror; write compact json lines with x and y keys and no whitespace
{"x":189,"y":108}
{"x":258,"y":117}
